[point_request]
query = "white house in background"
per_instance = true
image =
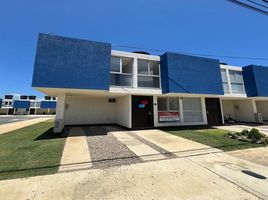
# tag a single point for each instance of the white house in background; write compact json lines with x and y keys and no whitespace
{"x":27,"y":105}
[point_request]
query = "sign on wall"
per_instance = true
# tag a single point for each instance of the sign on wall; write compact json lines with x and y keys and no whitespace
{"x":168,"y":116}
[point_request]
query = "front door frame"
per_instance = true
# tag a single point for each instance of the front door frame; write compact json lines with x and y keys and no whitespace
{"x":151,"y":104}
{"x":219,"y":109}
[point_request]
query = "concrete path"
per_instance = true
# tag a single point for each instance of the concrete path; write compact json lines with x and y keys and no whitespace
{"x":238,"y":128}
{"x":5,"y":128}
{"x":255,"y":155}
{"x":236,"y":171}
{"x":75,"y":154}
{"x":176,"y":145}
{"x":145,"y":152}
{"x":167,"y":179}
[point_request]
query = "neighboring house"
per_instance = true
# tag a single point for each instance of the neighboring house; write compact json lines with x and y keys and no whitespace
{"x":96,"y":85}
{"x":27,"y":105}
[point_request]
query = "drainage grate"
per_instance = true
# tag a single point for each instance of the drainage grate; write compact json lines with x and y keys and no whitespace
{"x":255,"y":175}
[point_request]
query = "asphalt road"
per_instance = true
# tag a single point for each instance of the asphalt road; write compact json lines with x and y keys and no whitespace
{"x":17,"y":118}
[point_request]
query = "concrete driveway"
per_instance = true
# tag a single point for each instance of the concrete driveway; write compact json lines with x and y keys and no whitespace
{"x":147,"y":164}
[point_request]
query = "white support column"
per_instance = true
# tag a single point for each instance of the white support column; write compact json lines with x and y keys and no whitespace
{"x":60,"y":110}
{"x":181,"y":110}
{"x":130,"y":111}
{"x":254,"y":106}
{"x":228,"y":81}
{"x":155,"y":110}
{"x":135,"y":73}
{"x":222,"y":115}
{"x":204,"y":110}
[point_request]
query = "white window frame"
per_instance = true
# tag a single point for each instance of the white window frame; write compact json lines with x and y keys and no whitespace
{"x":121,"y":70}
{"x":148,"y":75}
{"x":192,"y":110}
{"x":243,"y":86}
{"x":226,"y":82}
{"x":168,"y":105}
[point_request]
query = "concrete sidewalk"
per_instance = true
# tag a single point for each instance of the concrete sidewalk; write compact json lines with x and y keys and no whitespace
{"x":256,"y":155}
{"x":167,"y":179}
{"x":4,"y":128}
{"x":238,"y":171}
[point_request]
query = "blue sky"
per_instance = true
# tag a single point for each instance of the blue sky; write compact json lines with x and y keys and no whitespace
{"x":202,"y":27}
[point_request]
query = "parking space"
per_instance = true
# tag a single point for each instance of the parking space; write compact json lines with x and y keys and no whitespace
{"x":112,"y":147}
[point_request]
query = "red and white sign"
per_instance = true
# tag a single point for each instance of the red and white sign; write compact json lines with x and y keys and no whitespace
{"x":168,"y":116}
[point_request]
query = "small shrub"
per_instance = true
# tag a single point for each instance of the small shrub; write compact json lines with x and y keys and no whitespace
{"x":244,"y":132}
{"x":254,"y":134}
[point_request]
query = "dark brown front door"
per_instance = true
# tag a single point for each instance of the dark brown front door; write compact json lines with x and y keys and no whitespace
{"x":213,"y":111}
{"x":142,"y":111}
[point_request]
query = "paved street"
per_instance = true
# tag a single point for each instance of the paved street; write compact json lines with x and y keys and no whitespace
{"x":12,"y":123}
{"x":5,"y":119}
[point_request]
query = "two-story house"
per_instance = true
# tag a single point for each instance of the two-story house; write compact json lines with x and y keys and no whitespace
{"x":97,"y":85}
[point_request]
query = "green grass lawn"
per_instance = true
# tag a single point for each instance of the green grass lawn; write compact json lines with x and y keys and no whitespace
{"x":30,"y":151}
{"x":212,"y":137}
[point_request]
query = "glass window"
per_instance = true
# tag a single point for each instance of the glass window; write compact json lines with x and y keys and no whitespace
{"x":236,"y":79}
{"x":168,"y":109}
{"x":224,"y":80}
{"x":168,"y":104}
{"x":162,"y":104}
{"x":121,"y":71}
{"x":143,"y":67}
{"x":154,"y":67}
{"x":115,"y":64}
{"x":127,"y":65}
{"x":174,"y":103}
{"x":148,"y":81}
{"x":120,"y":80}
{"x":192,"y":110}
{"x":223,"y":75}
{"x":148,"y":73}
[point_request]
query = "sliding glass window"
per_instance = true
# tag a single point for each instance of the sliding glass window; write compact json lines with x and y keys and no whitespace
{"x":148,"y":74}
{"x":168,"y":109}
{"x":121,"y":73}
{"x":192,"y":109}
{"x":236,"y":79}
{"x":225,"y":81}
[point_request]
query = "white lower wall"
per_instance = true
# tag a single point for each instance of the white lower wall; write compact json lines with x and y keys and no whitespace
{"x":123,"y":111}
{"x":244,"y":110}
{"x":228,"y":109}
{"x":262,"y":107}
{"x":89,"y":110}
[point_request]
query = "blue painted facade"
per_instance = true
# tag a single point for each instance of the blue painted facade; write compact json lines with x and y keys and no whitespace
{"x":62,"y":62}
{"x":190,"y":74}
{"x":21,"y":104}
{"x":256,"y":80}
{"x":48,"y":104}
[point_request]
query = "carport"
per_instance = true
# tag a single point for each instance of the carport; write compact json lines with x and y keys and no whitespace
{"x":239,"y":110}
{"x":262,"y":107}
